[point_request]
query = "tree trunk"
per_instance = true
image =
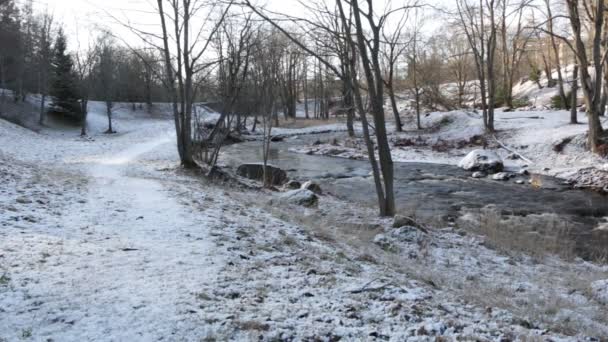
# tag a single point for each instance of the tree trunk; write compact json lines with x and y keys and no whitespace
{"x":417,"y":100}
{"x":83,"y":127}
{"x":603,"y":101}
{"x":373,"y":75}
{"x":305,"y":88}
{"x":109,"y":114}
{"x":170,"y":84}
{"x":348,"y":103}
{"x":398,"y":124}
{"x":42,"y":109}
{"x":547,"y":65}
{"x":573,"y":96}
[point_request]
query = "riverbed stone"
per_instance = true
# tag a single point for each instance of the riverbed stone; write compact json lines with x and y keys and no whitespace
{"x":302,"y":197}
{"x":482,"y":160}
{"x":274,"y":175}
{"x":501,"y":176}
{"x":312,"y":186}
{"x":292,"y":184}
{"x":479,"y":174}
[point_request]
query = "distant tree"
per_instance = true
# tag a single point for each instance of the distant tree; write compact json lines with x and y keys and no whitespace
{"x":64,"y":81}
{"x":10,"y":41}
{"x":85,"y":64}
{"x":106,"y":74}
{"x":478,"y":22}
{"x":43,"y":57}
{"x":554,"y":46}
{"x":459,"y":64}
{"x":413,"y":74}
{"x":394,"y":46}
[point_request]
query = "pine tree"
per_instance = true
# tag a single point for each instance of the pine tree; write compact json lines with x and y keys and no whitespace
{"x":11,"y":51}
{"x":63,"y":85}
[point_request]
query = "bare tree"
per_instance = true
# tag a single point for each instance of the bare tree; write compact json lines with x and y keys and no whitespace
{"x":555,"y":49}
{"x":183,"y":60}
{"x":394,"y":46}
{"x":266,"y":75}
{"x":369,"y":53}
{"x":43,"y":59}
{"x":364,"y":44}
{"x":479,"y":25}
{"x":513,"y":43}
{"x":590,"y":84}
{"x":106,"y":73}
{"x":234,"y":43}
{"x":459,"y":64}
{"x":413,"y":68}
{"x":84,"y":65}
{"x":573,"y":96}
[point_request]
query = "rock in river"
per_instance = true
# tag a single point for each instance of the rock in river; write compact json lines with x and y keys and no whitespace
{"x":292,"y":184}
{"x":482,"y":160}
{"x":501,"y":176}
{"x":312,"y":186}
{"x":275,"y":175}
{"x":479,"y":174}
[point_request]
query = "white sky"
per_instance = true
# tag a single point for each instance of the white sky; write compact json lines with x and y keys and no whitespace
{"x":81,"y":17}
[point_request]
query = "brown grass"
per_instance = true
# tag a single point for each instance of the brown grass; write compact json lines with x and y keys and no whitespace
{"x":534,"y":235}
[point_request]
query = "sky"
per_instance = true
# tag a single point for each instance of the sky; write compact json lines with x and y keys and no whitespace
{"x":80,"y":18}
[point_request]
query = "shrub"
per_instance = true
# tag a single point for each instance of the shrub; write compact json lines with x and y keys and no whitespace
{"x":521,"y":102}
{"x":500,"y":97}
{"x":535,"y":74}
{"x":558,"y":103}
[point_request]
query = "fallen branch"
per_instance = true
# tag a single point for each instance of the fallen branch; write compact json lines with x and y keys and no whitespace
{"x":511,"y":150}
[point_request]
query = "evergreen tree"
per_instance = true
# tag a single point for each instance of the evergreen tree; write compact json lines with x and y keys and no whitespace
{"x":11,"y":51}
{"x":63,"y":85}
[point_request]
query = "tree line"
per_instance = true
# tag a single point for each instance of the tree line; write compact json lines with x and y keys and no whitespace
{"x":37,"y":61}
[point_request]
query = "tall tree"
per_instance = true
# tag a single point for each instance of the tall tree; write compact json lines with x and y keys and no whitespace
{"x":479,"y":24}
{"x":394,"y":47}
{"x":183,"y":48}
{"x":44,"y":54}
{"x":10,"y":58}
{"x":64,"y":84}
{"x":590,"y":84}
{"x":105,"y":73}
{"x":556,"y":54}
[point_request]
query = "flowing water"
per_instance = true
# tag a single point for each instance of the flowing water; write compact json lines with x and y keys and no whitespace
{"x":438,"y":192}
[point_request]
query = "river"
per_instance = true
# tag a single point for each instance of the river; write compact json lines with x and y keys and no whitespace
{"x":438,"y":192}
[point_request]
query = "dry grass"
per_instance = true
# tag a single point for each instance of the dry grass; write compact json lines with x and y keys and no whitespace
{"x":553,"y":291}
{"x":534,"y":235}
{"x":253,"y":325}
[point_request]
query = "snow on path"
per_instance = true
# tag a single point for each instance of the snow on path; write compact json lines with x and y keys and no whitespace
{"x":118,"y":267}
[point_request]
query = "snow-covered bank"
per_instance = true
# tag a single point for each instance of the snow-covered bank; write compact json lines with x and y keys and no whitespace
{"x":131,"y":247}
{"x":448,"y":136}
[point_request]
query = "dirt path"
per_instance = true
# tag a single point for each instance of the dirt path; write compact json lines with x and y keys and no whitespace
{"x":120,"y":267}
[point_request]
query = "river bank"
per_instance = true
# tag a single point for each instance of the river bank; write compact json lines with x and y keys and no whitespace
{"x":107,"y":238}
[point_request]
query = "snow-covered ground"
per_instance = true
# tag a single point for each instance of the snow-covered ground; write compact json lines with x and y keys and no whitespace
{"x":448,"y":136}
{"x":105,"y":238}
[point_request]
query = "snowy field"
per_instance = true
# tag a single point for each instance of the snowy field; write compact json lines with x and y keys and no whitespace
{"x":106,"y":239}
